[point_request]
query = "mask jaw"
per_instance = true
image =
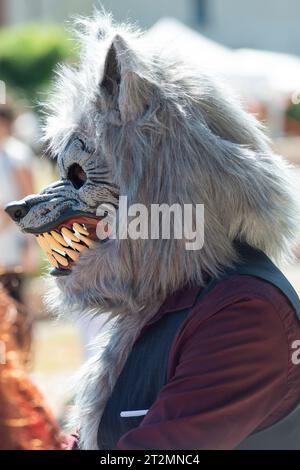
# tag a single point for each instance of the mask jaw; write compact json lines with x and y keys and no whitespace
{"x":64,"y":242}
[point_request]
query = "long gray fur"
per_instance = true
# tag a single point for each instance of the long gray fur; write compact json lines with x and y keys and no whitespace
{"x":165,"y":132}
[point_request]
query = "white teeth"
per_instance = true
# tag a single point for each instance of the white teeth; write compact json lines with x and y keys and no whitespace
{"x":52,"y":242}
{"x":72,"y":254}
{"x":60,"y":247}
{"x":59,"y":238}
{"x":52,"y":260}
{"x":43,"y":244}
{"x":79,"y":247}
{"x":70,"y":235}
{"x":68,"y":241}
{"x":61,"y":259}
{"x":80,"y":229}
{"x":61,"y":252}
{"x":86,"y":240}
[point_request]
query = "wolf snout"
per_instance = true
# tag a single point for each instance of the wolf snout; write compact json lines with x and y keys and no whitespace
{"x":17,"y":210}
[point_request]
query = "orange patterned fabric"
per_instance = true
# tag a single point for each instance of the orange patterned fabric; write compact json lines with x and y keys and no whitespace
{"x":26,"y":423}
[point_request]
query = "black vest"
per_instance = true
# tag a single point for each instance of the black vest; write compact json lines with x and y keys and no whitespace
{"x":145,"y":370}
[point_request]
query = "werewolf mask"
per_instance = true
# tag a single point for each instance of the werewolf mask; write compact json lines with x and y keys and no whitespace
{"x":133,"y":121}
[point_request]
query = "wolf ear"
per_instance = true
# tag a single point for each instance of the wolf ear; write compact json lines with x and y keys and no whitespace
{"x":112,"y":73}
{"x":123,"y":82}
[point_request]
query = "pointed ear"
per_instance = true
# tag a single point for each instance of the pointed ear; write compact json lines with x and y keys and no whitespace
{"x":112,"y":74}
{"x":123,"y":82}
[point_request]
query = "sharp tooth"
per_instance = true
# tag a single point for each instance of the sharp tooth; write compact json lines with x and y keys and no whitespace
{"x":61,"y":259}
{"x":60,"y":252}
{"x":79,"y":247}
{"x":52,"y":260}
{"x":73,"y":255}
{"x":80,"y":229}
{"x":65,"y":231}
{"x":86,"y":240}
{"x":53,"y":243}
{"x":57,"y":236}
{"x":43,"y":244}
{"x":68,"y":241}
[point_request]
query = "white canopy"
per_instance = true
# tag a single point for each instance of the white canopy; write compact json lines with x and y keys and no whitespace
{"x":256,"y":74}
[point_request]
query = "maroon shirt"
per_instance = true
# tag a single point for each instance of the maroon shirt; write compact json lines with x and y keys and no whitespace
{"x":230,"y":370}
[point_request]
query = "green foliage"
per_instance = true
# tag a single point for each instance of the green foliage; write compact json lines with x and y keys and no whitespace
{"x":294,"y":112}
{"x":29,"y":54}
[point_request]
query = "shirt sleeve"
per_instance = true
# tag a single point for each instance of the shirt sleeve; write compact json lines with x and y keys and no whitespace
{"x":228,"y":374}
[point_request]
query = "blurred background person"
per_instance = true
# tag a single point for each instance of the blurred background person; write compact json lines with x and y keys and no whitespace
{"x":16,"y":181}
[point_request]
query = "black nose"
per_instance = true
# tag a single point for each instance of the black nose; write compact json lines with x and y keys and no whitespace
{"x":17,"y":210}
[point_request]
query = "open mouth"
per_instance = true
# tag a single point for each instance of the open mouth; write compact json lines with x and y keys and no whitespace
{"x":64,"y":244}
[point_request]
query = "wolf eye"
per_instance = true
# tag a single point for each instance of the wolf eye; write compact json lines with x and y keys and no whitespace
{"x":84,"y":146}
{"x":77,"y":175}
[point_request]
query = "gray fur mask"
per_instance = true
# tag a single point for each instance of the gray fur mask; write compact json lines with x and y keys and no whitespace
{"x":134,"y":121}
{"x":129,"y":121}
